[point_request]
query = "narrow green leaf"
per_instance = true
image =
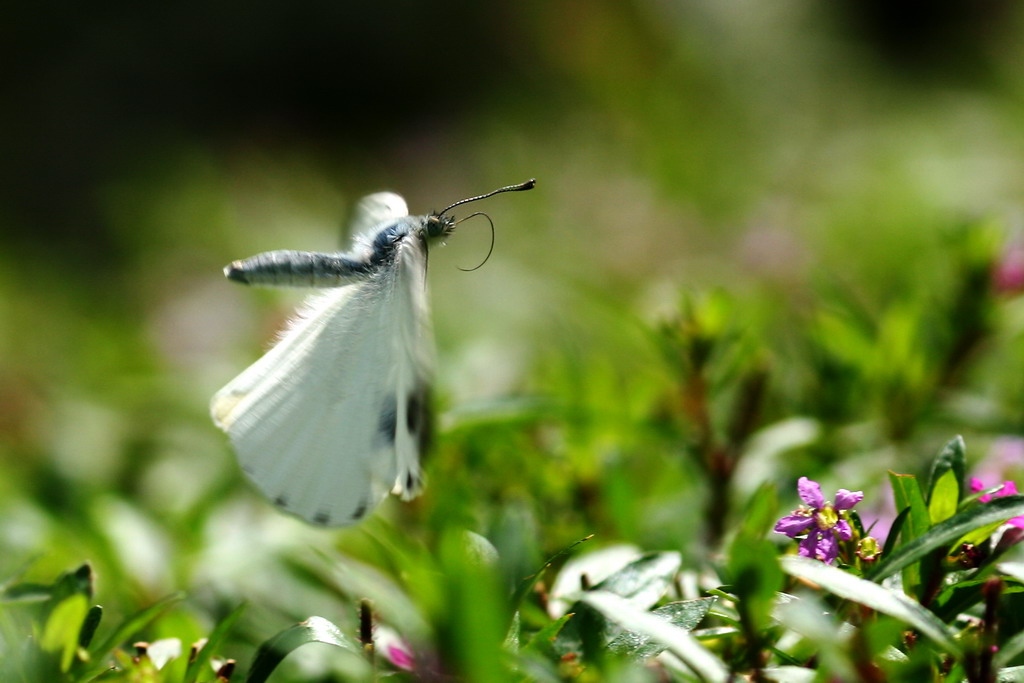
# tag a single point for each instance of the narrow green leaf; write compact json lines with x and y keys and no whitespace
{"x":210,"y":647}
{"x":686,"y":615}
{"x":1012,"y":674}
{"x":543,"y":640}
{"x":945,"y":533}
{"x":894,"y":531}
{"x":951,"y":459}
{"x":89,"y":626}
{"x":1009,"y":650}
{"x":790,"y":674}
{"x":869,"y":594}
{"x":943,"y":498}
{"x":907,"y":495}
{"x":527,"y":584}
{"x":79,"y":581}
{"x":63,"y":626}
{"x":514,"y":633}
{"x":26,"y":592}
{"x":978,"y":535}
{"x":313,"y":630}
{"x":678,"y":641}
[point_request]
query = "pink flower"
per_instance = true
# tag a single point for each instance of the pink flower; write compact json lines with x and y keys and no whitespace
{"x":394,"y":647}
{"x":1008,"y":273}
{"x":820,"y":520}
{"x":1007,"y":489}
{"x":401,"y":658}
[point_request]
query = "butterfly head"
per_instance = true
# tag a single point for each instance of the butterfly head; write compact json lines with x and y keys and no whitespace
{"x":439,"y":225}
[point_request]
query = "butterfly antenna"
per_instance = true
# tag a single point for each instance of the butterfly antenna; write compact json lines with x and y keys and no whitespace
{"x":528,"y":185}
{"x":489,"y":251}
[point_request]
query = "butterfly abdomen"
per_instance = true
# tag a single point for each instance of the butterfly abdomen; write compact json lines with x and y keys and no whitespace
{"x":285,"y":268}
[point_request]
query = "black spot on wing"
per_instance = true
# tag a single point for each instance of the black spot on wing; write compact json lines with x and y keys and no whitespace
{"x":281,"y":502}
{"x":413,"y":408}
{"x":323,"y":518}
{"x":417,"y":417}
{"x":360,"y":511}
{"x":387,"y":424}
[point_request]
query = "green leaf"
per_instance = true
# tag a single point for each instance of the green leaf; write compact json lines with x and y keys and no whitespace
{"x":678,"y":641}
{"x":78,"y":581}
{"x":790,"y":674}
{"x":543,"y":640}
{"x":642,"y":582}
{"x":527,"y":584}
{"x":819,"y":626}
{"x":63,"y":626}
{"x":1009,"y":650}
{"x":978,"y":535}
{"x":686,"y":615}
{"x":951,"y":459}
{"x":89,"y":625}
{"x":514,"y":633}
{"x":943,"y":498}
{"x":25,"y":592}
{"x":945,"y":533}
{"x":869,"y":594}
{"x":894,"y":531}
{"x":313,"y":630}
{"x":212,"y":644}
{"x":752,"y":566}
{"x":907,"y":495}
{"x":1013,"y":674}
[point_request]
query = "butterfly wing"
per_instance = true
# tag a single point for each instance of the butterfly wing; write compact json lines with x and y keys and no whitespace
{"x":333,"y":417}
{"x":374,"y":209}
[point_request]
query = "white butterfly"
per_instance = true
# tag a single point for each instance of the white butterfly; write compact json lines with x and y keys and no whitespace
{"x":334,"y":416}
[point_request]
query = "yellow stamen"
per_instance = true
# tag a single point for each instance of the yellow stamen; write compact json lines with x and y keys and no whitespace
{"x":826,"y":517}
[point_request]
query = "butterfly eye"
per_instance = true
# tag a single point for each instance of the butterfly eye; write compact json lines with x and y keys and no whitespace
{"x":439,"y":226}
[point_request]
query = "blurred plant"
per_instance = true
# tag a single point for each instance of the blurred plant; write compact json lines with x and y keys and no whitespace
{"x":722,"y":382}
{"x":1008,"y":273}
{"x":62,"y":645}
{"x":447,"y":615}
{"x":898,"y":363}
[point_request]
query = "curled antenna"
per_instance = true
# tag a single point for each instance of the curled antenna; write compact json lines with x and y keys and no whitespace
{"x":486,"y":258}
{"x":528,"y":185}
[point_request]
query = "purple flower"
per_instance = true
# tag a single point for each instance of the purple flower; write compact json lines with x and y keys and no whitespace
{"x":820,"y":520}
{"x":1007,"y":489}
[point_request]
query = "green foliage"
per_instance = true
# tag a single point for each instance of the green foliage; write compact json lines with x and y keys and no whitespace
{"x":728,"y":278}
{"x":452,"y":585}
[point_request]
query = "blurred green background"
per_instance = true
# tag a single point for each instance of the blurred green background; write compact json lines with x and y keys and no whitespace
{"x":812,"y":163}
